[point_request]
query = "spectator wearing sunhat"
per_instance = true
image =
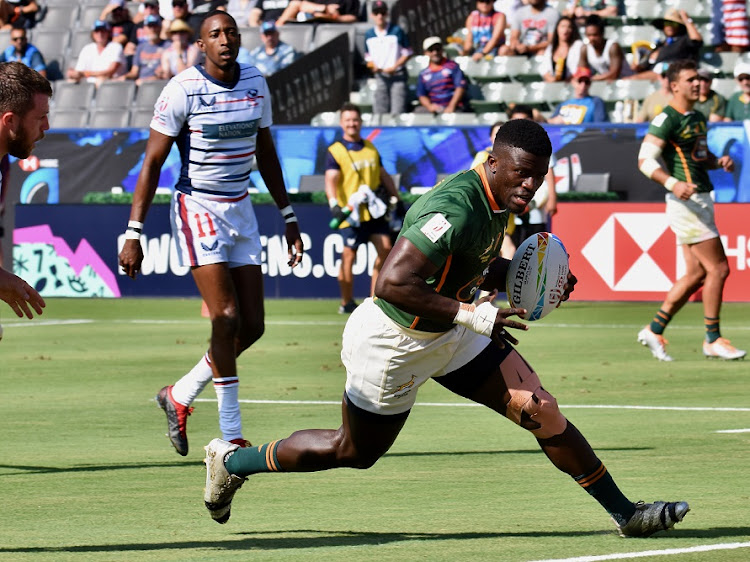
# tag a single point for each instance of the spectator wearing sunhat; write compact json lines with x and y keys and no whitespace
{"x":682,"y":40}
{"x":386,"y":52}
{"x":181,"y":53}
{"x":738,"y":106}
{"x":583,"y":107}
{"x":273,"y":54}
{"x":711,"y":104}
{"x":656,"y":101}
{"x":441,"y":87}
{"x":100,"y":60}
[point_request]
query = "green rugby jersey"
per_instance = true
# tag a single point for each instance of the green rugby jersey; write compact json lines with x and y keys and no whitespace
{"x":460,"y":228}
{"x":686,"y":151}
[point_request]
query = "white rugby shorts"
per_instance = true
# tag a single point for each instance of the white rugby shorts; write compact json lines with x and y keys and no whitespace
{"x":692,"y":221}
{"x":386,"y":363}
{"x":211,"y":231}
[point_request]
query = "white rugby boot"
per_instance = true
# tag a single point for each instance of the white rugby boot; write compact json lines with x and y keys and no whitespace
{"x":220,"y":485}
{"x":722,"y":349}
{"x":655,"y":342}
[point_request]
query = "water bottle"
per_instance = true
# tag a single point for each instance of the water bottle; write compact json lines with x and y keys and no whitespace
{"x":617,"y":114}
{"x":340,"y":216}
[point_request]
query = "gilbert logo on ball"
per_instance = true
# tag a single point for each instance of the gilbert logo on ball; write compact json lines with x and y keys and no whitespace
{"x":537,"y":274}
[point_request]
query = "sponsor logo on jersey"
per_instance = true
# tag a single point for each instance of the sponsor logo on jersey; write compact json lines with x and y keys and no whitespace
{"x":436,"y":227}
{"x":238,"y":130}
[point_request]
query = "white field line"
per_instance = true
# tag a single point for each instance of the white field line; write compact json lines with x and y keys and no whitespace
{"x":473,"y":405}
{"x":733,"y":431}
{"x":646,"y":553}
{"x":55,"y":322}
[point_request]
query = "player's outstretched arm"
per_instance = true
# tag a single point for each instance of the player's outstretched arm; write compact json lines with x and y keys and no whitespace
{"x":19,"y":295}
{"x":157,"y":150}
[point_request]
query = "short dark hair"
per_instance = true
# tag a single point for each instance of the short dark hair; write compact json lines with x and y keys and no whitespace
{"x":348,"y":106}
{"x":524,"y":134}
{"x":596,"y":20}
{"x":18,"y":86}
{"x":213,"y":13}
{"x":521,"y":108}
{"x":673,"y":72}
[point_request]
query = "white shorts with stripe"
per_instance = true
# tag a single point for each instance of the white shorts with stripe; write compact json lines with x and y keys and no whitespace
{"x":692,"y":221}
{"x":211,"y":231}
{"x":386,"y":363}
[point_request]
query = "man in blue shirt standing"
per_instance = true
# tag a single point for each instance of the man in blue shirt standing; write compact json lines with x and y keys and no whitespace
{"x":22,"y":51}
{"x":583,"y":108}
{"x":273,"y":54}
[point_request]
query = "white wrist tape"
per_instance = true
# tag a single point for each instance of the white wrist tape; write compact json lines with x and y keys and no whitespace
{"x":670,"y":183}
{"x":648,"y":156}
{"x":132,"y":235}
{"x":135,"y":224}
{"x":288,"y":214}
{"x":479,"y":319}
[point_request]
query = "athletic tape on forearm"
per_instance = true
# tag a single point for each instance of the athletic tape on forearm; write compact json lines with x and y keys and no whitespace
{"x":648,"y":156}
{"x":288,"y":214}
{"x":670,"y":183}
{"x":479,"y":319}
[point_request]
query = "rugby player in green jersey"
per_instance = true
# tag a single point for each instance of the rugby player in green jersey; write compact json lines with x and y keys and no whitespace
{"x":678,"y":135}
{"x":421,"y":325}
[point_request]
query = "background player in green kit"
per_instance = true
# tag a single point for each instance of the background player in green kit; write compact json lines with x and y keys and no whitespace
{"x":678,"y":134}
{"x":421,"y":326}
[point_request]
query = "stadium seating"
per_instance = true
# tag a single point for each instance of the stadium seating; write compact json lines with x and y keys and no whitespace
{"x":104,"y":118}
{"x":115,"y":94}
{"x":147,"y":94}
{"x":141,"y":117}
{"x":59,"y":18}
{"x":251,"y":37}
{"x":73,"y":96}
{"x":52,"y":43}
{"x":324,"y":32}
{"x":68,"y":118}
{"x":299,"y":36}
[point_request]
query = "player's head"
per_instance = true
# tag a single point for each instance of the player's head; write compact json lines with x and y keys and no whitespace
{"x":219,"y":40}
{"x":24,"y":105}
{"x":594,"y":30}
{"x":518,"y":163}
{"x":683,"y":80}
{"x":351,"y":121}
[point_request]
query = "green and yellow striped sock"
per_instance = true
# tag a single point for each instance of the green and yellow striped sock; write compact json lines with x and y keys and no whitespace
{"x":660,"y":321}
{"x":712,"y":329}
{"x":252,"y":460}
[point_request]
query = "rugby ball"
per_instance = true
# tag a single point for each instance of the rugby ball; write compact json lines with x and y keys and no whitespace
{"x":537,"y":274}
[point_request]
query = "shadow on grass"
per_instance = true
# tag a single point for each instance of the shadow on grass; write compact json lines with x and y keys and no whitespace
{"x":325,"y":539}
{"x":28,"y":469}
{"x":502,"y":452}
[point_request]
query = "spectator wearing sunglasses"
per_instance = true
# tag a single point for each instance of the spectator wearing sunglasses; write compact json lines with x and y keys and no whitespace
{"x":22,"y":51}
{"x":738,"y":106}
{"x":441,"y":87}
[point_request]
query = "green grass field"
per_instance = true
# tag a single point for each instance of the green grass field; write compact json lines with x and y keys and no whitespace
{"x":87,"y":473}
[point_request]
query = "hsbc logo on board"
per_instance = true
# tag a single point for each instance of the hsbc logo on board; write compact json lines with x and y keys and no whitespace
{"x":635,"y":252}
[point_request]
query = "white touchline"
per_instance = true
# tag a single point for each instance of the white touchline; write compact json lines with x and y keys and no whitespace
{"x":644,"y":554}
{"x":473,"y":405}
{"x":733,"y":431}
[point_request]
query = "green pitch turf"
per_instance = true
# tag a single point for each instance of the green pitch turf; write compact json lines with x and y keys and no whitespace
{"x":86,"y":472}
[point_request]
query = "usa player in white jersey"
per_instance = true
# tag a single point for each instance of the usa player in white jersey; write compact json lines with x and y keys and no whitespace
{"x":219,"y":113}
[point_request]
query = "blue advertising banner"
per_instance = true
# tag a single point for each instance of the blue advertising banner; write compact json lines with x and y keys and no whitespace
{"x":71,"y":251}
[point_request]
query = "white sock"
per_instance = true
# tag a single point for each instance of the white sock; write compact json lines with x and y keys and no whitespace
{"x":227,"y":391}
{"x":191,"y":385}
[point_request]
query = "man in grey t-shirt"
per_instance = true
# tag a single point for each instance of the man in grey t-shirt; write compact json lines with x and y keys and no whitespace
{"x":532,"y":27}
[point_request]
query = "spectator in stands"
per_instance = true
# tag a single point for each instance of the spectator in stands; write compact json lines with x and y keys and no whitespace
{"x":139,"y":33}
{"x":241,"y":11}
{"x":101,"y":60}
{"x":583,"y":108}
{"x":181,"y":53}
{"x":682,"y":40}
{"x":147,"y":59}
{"x":738,"y":106}
{"x":273,"y":54}
{"x":532,"y":26}
{"x":562,"y":57}
{"x":267,"y":10}
{"x":18,"y":13}
{"x":656,"y":101}
{"x":339,"y":11}
{"x":353,"y":167}
{"x":441,"y":87}
{"x":485,"y":31}
{"x":23,"y":51}
{"x":579,"y":10}
{"x":735,"y":25}
{"x":520,"y":110}
{"x":604,"y":57}
{"x":118,"y":16}
{"x":711,"y":104}
{"x":181,"y":12}
{"x":386,"y":52}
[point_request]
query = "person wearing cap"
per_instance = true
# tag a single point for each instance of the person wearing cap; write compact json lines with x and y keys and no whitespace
{"x":273,"y":54}
{"x":335,"y":11}
{"x":267,"y":10}
{"x":441,"y":87}
{"x":101,"y":60}
{"x":181,"y":53}
{"x":139,"y":32}
{"x":180,"y":11}
{"x":117,"y":15}
{"x":147,"y":59}
{"x":678,"y":138}
{"x":711,"y":104}
{"x":656,"y":101}
{"x":532,"y":26}
{"x":583,"y":107}
{"x":738,"y":105}
{"x":485,"y":31}
{"x":682,"y":40}
{"x":386,"y":52}
{"x":604,"y":57}
{"x":22,"y":51}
